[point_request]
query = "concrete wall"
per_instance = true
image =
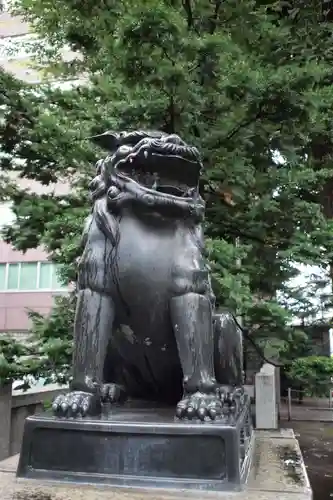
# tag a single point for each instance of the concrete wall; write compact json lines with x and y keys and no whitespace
{"x":15,"y":407}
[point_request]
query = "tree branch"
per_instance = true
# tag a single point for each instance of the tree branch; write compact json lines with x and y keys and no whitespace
{"x":188,"y":9}
{"x":172,"y":113}
{"x":213,"y":20}
{"x":236,"y":129}
{"x":241,"y":125}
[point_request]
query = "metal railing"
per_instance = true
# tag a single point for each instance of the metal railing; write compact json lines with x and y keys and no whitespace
{"x":300,"y":397}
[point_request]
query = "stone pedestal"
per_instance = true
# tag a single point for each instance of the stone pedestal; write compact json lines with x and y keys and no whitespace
{"x":265,"y":396}
{"x":141,"y":448}
{"x":277,"y":472}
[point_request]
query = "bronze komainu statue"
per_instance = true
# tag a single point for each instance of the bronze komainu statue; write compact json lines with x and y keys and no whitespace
{"x":145,"y":326}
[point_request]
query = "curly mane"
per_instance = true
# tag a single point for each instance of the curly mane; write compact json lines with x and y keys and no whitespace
{"x":111,"y":190}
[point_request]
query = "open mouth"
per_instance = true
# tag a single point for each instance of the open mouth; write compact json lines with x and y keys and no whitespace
{"x":170,"y":174}
{"x":155,"y":160}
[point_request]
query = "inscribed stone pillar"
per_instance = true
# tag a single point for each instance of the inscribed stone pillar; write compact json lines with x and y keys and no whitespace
{"x":265,"y":393}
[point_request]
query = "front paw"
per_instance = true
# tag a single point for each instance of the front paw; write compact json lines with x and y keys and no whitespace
{"x":211,"y":406}
{"x":233,"y":397}
{"x":77,"y":404}
{"x":200,"y":406}
{"x":113,"y":393}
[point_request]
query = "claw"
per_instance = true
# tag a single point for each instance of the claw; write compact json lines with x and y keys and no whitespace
{"x":104,"y":393}
{"x":64,"y":406}
{"x":181,"y":408}
{"x":190,"y":412}
{"x":113,"y":393}
{"x":85,"y":408}
{"x":202,"y":412}
{"x":212,"y":413}
{"x":74,"y":408}
{"x":180,"y":411}
{"x":58,"y":400}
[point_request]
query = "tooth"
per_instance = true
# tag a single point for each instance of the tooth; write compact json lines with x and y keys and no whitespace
{"x":145,"y":153}
{"x":131,"y":160}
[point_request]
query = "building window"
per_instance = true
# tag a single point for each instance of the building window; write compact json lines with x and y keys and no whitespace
{"x":30,"y":276}
{"x":13,"y":277}
{"x":2,"y":277}
{"x":48,"y":276}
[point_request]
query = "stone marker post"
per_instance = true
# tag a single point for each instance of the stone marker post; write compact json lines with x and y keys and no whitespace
{"x":265,"y":393}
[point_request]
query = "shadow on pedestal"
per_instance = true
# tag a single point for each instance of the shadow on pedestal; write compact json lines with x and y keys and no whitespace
{"x":142,"y":447}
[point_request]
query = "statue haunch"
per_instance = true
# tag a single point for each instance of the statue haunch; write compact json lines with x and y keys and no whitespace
{"x":145,"y":326}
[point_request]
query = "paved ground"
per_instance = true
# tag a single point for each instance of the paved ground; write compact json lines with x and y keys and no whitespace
{"x":316,"y":441}
{"x":310,"y":410}
{"x":312,"y":423}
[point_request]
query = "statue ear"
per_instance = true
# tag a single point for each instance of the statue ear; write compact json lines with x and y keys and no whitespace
{"x":109,"y":140}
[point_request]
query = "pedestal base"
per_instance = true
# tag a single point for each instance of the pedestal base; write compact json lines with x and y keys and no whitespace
{"x":139,"y":447}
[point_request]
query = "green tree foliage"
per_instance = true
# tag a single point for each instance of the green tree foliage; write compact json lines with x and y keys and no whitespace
{"x":15,"y":360}
{"x":54,"y":340}
{"x":313,"y":373}
{"x":311,"y":299}
{"x":241,"y":80}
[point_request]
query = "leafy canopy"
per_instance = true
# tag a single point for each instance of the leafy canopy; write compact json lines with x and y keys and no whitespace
{"x":314,"y":374}
{"x":249,"y":83}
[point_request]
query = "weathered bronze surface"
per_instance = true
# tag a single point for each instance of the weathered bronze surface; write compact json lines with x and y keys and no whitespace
{"x":145,"y":326}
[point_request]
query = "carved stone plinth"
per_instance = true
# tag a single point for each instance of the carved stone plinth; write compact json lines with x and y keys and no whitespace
{"x":142,"y":447}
